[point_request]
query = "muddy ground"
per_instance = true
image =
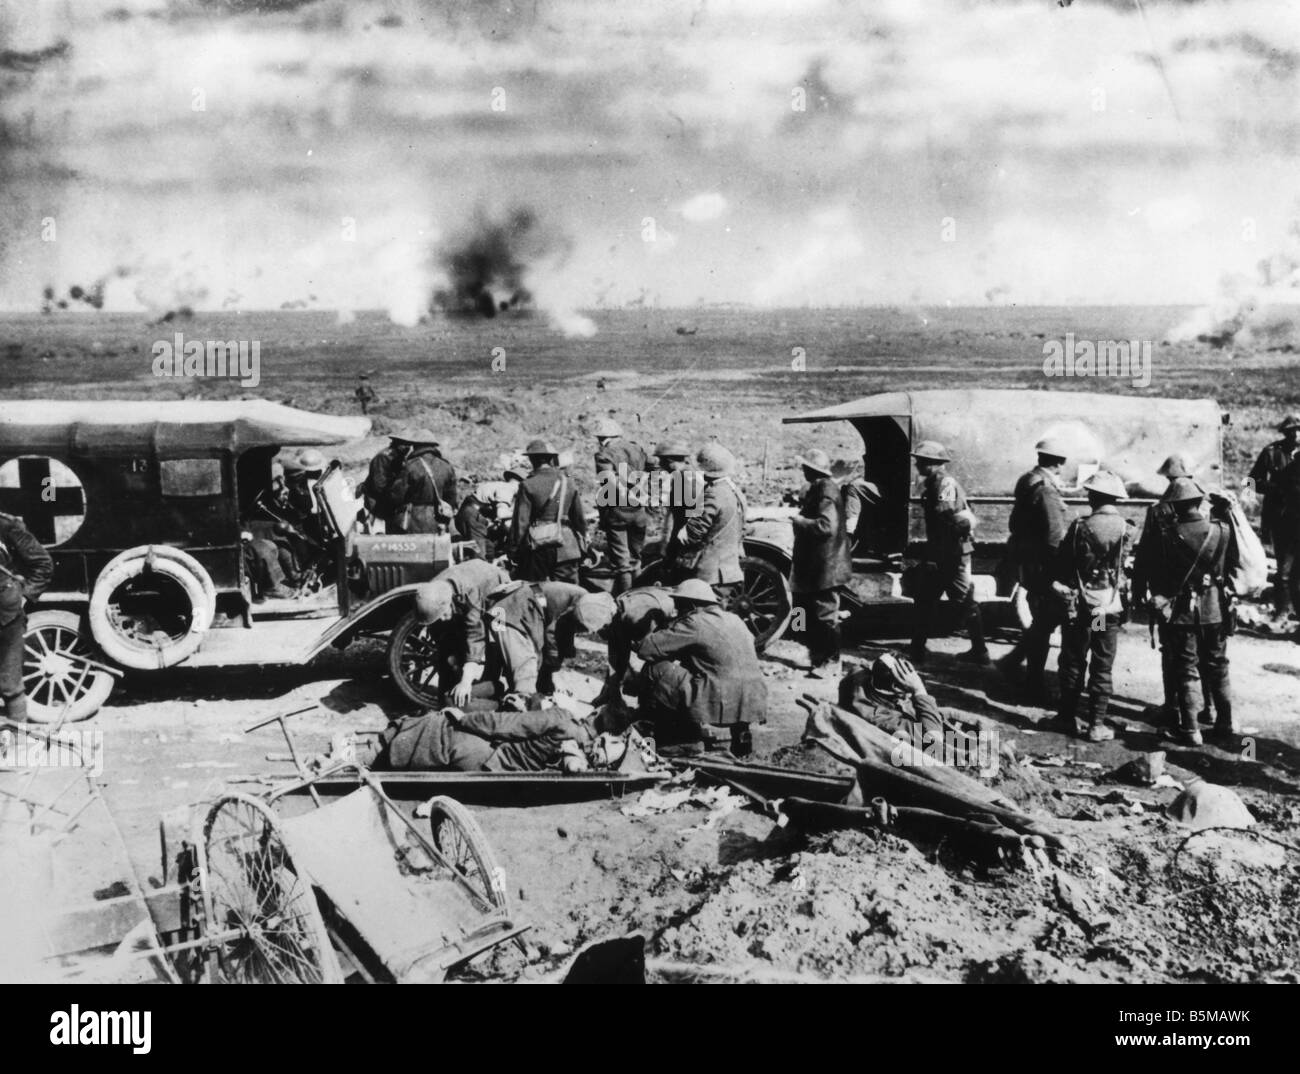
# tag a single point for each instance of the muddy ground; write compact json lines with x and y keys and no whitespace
{"x":741,"y":897}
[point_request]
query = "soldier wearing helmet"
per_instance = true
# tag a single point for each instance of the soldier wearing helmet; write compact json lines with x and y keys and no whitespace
{"x":1183,"y":568}
{"x":454,"y":606}
{"x":1089,"y":577}
{"x":701,"y":671}
{"x":1264,"y":480}
{"x":548,"y":533}
{"x":531,"y":628}
{"x":822,"y":563}
{"x":424,"y":492}
{"x":620,"y":500}
{"x":707,"y":545}
{"x":679,"y":488}
{"x":949,"y":542}
{"x":1036,"y":526}
{"x":376,"y":489}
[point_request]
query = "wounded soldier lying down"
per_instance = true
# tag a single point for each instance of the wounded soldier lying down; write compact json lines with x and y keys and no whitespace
{"x":530,"y":741}
{"x":892,"y":695}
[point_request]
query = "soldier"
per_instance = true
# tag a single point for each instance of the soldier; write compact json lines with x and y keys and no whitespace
{"x":450,"y":740}
{"x":484,"y":515}
{"x":1286,"y":540}
{"x":424,"y":492}
{"x":949,"y":526}
{"x":548,"y":534}
{"x":708,"y":545}
{"x":702,"y":671}
{"x":821,"y":564}
{"x":620,"y":474}
{"x":25,"y":570}
{"x":365,"y":393}
{"x":1161,"y":513}
{"x":638,"y":613}
{"x":1183,"y":566}
{"x":457,"y":600}
{"x":376,"y":489}
{"x":1263,"y":476}
{"x":531,"y":627}
{"x":1089,"y":577}
{"x":1037,"y":525}
{"x":680,"y":489}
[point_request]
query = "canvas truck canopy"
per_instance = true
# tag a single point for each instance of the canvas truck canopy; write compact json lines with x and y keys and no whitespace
{"x":175,"y":429}
{"x":991,"y":433}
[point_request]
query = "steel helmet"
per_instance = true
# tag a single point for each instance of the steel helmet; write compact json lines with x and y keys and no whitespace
{"x":1175,"y":466}
{"x":415,"y":434}
{"x":607,"y":427}
{"x":594,"y":611}
{"x":539,"y":448}
{"x":931,"y":451}
{"x":817,"y":461}
{"x":433,"y":601}
{"x":311,"y":460}
{"x":1053,"y":446}
{"x":696,"y":591}
{"x":715,"y":461}
{"x":1291,"y":421}
{"x":1104,"y":483}
{"x":869,"y":491}
{"x":1183,"y":489}
{"x":672,"y":449}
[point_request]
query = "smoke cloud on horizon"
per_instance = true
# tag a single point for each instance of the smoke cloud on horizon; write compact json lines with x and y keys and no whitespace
{"x":257,"y":155}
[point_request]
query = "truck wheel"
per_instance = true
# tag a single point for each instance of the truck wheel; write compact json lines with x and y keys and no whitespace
{"x":151,"y":607}
{"x":52,"y":676}
{"x":413,"y":660}
{"x":763,"y":600}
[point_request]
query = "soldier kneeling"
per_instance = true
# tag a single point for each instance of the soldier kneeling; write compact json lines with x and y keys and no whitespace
{"x":701,"y":672}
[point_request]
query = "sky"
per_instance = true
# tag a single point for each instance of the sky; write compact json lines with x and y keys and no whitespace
{"x":675,"y":152}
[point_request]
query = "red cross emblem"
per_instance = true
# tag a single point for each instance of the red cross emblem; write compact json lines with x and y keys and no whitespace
{"x":45,"y":494}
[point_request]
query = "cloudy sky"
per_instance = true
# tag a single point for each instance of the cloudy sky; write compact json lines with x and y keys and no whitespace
{"x":946,"y":150}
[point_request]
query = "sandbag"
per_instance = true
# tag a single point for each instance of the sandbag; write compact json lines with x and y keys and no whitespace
{"x":1251,"y":573}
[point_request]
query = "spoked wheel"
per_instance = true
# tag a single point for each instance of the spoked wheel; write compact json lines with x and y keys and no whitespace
{"x":413,"y":660}
{"x":259,"y":910}
{"x":762,"y":600}
{"x":461,"y":841}
{"x":54,"y":678}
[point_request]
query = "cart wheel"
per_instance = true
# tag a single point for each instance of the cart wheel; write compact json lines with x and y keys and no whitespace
{"x":461,"y":841}
{"x":762,"y":600}
{"x":413,"y":660}
{"x":250,"y":887}
{"x":52,"y":679}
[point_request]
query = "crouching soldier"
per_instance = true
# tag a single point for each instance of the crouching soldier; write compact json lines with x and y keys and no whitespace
{"x":454,"y":603}
{"x":638,"y":613}
{"x":1183,"y":566}
{"x":701,"y":671}
{"x":531,"y":627}
{"x":1089,"y":578}
{"x":949,"y":542}
{"x":822,"y":564}
{"x":25,"y":570}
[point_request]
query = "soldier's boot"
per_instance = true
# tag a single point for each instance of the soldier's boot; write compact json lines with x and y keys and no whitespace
{"x":622,"y":582}
{"x":978,"y":653}
{"x":15,"y":710}
{"x":1098,"y":731}
{"x":742,"y":740}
